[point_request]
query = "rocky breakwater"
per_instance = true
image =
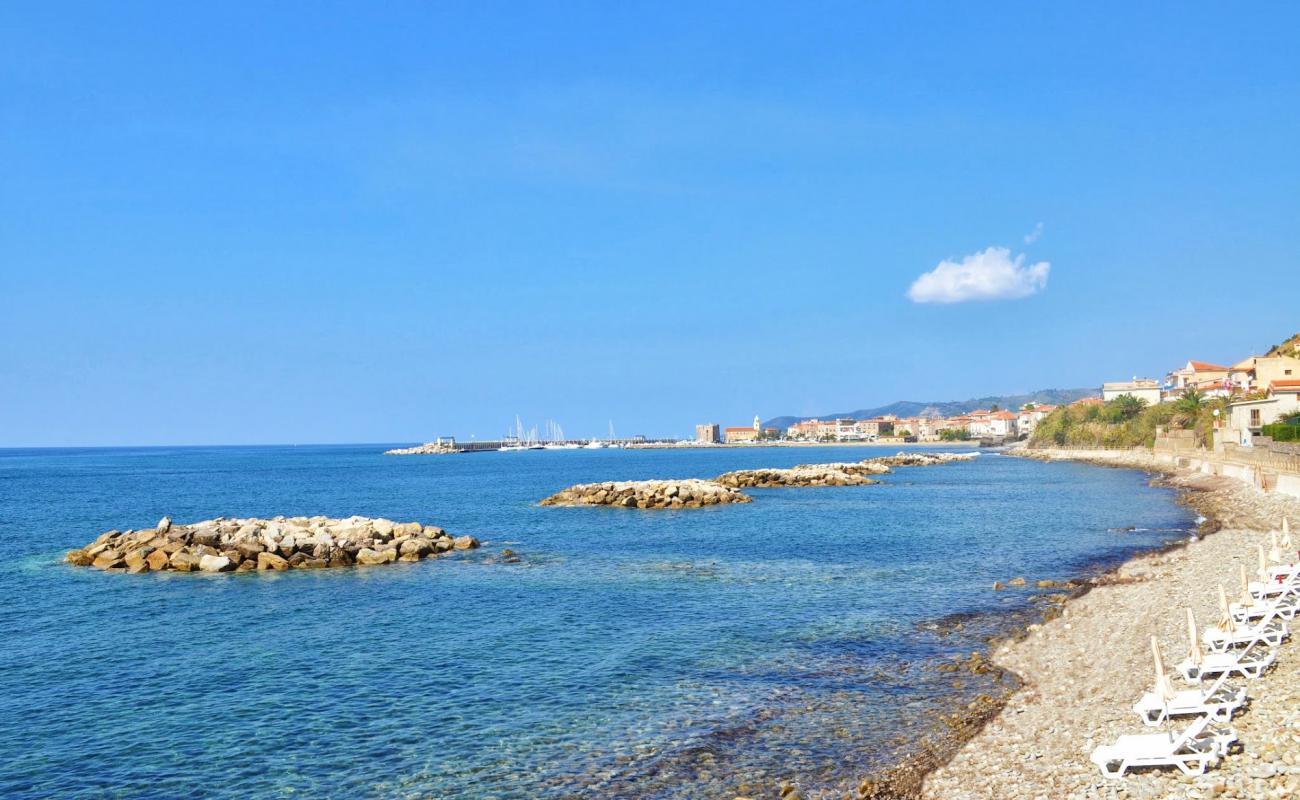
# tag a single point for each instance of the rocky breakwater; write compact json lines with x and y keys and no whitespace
{"x":243,"y":545}
{"x":921,"y":459}
{"x":426,"y":449}
{"x":804,"y":475}
{"x":648,"y":494}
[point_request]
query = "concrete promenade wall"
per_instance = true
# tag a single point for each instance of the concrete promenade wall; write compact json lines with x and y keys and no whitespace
{"x":1260,"y":467}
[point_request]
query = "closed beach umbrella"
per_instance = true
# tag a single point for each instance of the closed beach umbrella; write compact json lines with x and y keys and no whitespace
{"x":1246,"y":601}
{"x":1263,"y":565}
{"x":1286,"y":534}
{"x":1226,"y":622}
{"x":1274,"y":552}
{"x":1164,"y":688}
{"x":1195,"y":654}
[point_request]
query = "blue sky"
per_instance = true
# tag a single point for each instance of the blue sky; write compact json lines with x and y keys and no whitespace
{"x":333,"y":222}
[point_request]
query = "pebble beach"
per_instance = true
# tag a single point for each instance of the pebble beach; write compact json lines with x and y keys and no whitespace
{"x":1083,"y":670}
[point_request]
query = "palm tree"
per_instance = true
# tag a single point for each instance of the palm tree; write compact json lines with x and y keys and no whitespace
{"x":1188,"y":408}
{"x":1191,"y":402}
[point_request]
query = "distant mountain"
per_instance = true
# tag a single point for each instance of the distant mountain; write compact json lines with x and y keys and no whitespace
{"x":912,"y":408}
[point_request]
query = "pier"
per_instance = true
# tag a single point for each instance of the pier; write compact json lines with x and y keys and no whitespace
{"x":449,"y":444}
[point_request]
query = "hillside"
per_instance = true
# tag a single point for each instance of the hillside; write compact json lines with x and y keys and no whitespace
{"x":1291,"y":347}
{"x":913,"y":408}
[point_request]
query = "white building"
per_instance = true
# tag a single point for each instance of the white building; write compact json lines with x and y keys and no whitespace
{"x":1141,"y":388}
{"x":1246,"y":417}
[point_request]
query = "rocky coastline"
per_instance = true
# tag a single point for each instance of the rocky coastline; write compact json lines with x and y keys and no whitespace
{"x":277,"y":544}
{"x":688,"y":493}
{"x":1035,"y":741}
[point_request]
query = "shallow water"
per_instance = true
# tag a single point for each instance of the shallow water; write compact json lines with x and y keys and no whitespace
{"x":658,"y":654}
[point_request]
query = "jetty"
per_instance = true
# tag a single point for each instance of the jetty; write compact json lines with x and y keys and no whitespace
{"x":281,"y":543}
{"x":688,"y":493}
{"x":446,"y":445}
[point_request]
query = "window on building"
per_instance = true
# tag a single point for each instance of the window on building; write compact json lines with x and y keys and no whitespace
{"x":1254,"y":418}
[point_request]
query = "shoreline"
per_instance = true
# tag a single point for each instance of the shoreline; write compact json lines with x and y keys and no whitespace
{"x":689,"y":445}
{"x":1034,"y":741}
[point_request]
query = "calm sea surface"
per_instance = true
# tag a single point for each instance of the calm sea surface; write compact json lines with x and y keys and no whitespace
{"x":663,"y":654}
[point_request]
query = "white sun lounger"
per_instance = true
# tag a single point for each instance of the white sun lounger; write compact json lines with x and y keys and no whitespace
{"x":1266,"y":610}
{"x":1281,"y":587}
{"x":1270,"y":634}
{"x":1218,"y":701}
{"x":1191,"y":751}
{"x":1245,"y":663}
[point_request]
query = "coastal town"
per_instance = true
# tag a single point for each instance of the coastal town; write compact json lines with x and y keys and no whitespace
{"x":1257,"y":391}
{"x":990,"y":423}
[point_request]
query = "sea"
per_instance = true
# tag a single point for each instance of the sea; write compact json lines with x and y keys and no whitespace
{"x":695,"y":653}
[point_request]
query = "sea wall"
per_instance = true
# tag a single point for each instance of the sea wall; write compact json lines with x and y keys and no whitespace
{"x":1257,"y":467}
{"x":243,"y":545}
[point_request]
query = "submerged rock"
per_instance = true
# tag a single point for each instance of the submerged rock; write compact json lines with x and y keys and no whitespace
{"x":245,"y":545}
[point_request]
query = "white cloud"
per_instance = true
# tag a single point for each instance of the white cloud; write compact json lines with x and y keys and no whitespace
{"x":1033,"y":235}
{"x":988,"y":275}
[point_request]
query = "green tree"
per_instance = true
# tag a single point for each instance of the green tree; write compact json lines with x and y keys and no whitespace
{"x":1187,"y":408}
{"x":1190,"y":402}
{"x":1123,"y":408}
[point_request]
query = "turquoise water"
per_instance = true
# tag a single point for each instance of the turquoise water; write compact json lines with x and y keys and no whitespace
{"x":665,"y":654}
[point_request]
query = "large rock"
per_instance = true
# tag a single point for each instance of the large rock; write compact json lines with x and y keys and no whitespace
{"x":108,"y":559}
{"x":211,"y":563}
{"x":158,"y":559}
{"x":136,"y":560}
{"x":465,"y":542}
{"x":206,"y":536}
{"x":184,"y":561}
{"x":416,"y":546}
{"x":78,"y":558}
{"x":368,"y":557}
{"x":271,"y":561}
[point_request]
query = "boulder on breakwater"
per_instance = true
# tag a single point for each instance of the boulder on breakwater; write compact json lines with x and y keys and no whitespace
{"x":691,"y":493}
{"x":426,"y":449}
{"x":243,"y":545}
{"x":804,"y":475}
{"x":902,"y":459}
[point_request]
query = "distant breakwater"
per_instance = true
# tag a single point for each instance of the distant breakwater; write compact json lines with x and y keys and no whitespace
{"x":689,"y":493}
{"x":698,"y":493}
{"x":245,"y":545}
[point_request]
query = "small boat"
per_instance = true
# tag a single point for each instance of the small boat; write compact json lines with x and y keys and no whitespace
{"x":594,"y":444}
